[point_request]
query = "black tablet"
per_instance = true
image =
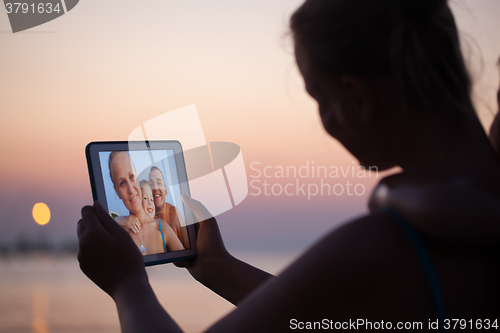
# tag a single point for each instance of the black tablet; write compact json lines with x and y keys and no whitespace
{"x":141,"y":184}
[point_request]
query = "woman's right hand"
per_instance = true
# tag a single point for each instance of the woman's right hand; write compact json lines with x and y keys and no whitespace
{"x":130,"y":222}
{"x":107,"y":253}
{"x":214,"y":267}
{"x":210,"y":246}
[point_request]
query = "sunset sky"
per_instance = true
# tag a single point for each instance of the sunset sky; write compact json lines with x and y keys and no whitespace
{"x":106,"y":67}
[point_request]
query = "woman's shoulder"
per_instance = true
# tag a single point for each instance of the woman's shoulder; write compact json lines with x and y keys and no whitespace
{"x":455,"y":209}
{"x":371,"y":238}
{"x":369,"y":269}
{"x":360,"y":269}
{"x":375,"y":251}
{"x":370,"y":246}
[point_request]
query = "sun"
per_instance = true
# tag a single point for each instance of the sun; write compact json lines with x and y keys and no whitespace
{"x":41,"y":213}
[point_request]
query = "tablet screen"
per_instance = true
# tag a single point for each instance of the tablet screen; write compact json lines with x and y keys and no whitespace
{"x":145,"y":198}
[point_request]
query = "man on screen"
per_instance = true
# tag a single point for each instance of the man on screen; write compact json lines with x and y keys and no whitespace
{"x":165,"y":211}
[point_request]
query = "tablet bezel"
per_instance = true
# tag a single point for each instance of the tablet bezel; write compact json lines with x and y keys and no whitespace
{"x":98,"y":193}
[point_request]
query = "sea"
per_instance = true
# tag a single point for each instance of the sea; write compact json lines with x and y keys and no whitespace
{"x":46,"y":292}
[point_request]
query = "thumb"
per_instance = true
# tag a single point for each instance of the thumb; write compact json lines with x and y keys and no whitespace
{"x":200,"y":212}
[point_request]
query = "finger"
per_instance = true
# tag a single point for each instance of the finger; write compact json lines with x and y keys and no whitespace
{"x":90,"y":220}
{"x":80,"y":229}
{"x":200,"y":212}
{"x":106,"y":221}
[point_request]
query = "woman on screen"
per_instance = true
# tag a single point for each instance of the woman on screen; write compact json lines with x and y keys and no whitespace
{"x":151,"y":235}
{"x":392,"y":87}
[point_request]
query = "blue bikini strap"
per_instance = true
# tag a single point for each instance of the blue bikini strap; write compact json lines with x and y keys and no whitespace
{"x":163,"y":239}
{"x":430,"y":271}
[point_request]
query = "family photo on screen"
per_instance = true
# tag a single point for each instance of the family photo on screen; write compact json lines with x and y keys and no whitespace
{"x":155,"y":225}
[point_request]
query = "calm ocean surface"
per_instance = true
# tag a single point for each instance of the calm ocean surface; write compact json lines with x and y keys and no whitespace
{"x":47,"y":293}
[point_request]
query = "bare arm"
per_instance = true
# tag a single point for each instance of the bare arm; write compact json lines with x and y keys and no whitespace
{"x":348,"y":274}
{"x":110,"y":258}
{"x":139,"y":309}
{"x":363,"y":270}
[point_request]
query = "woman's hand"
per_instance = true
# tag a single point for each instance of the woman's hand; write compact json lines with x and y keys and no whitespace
{"x":106,"y":252}
{"x":130,"y":222}
{"x":214,"y":267}
{"x":209,"y":245}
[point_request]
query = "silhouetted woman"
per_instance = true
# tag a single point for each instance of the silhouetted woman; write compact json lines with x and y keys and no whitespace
{"x":392,"y":87}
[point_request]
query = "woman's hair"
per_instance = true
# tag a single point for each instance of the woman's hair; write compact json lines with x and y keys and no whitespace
{"x":414,"y":43}
{"x":111,"y":157}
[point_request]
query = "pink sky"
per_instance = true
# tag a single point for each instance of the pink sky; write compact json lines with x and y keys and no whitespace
{"x":102,"y":69}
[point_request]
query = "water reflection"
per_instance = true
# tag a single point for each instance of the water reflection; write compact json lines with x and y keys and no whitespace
{"x":39,"y":323}
{"x":50,"y":294}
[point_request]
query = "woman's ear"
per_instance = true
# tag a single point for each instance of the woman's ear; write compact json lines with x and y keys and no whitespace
{"x":357,"y":98}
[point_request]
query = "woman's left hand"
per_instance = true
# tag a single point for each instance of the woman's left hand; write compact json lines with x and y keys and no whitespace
{"x":106,"y":252}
